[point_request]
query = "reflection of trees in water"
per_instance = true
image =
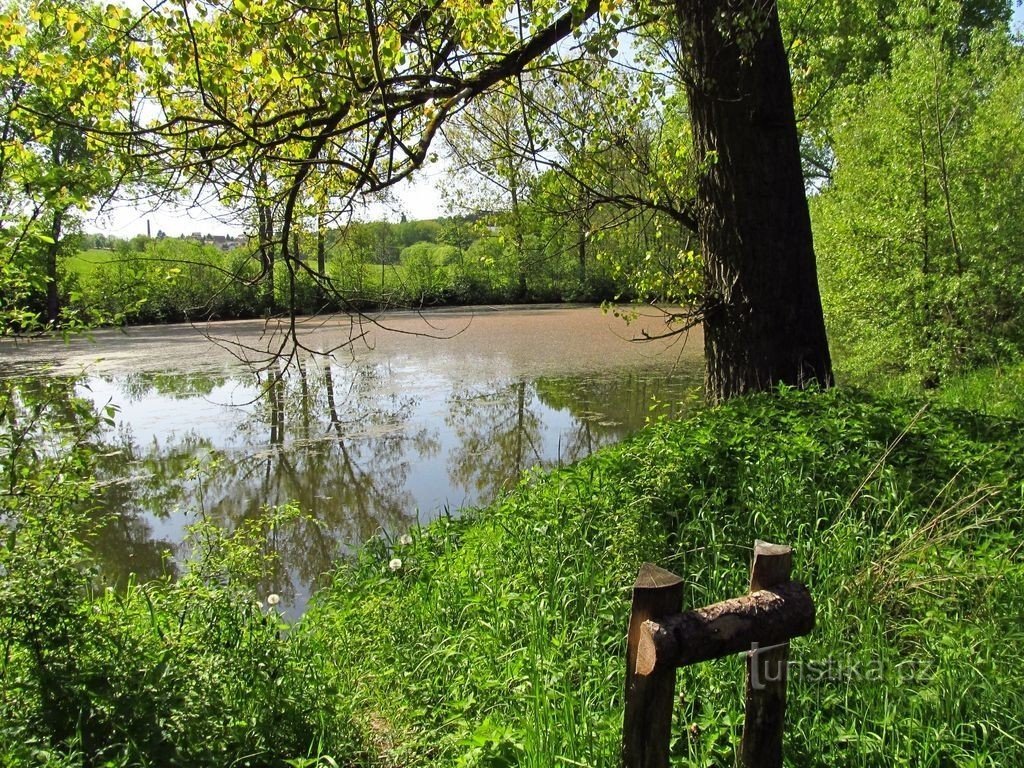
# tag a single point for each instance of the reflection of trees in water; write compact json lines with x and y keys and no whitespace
{"x":324,"y":438}
{"x":126,"y":547}
{"x":139,"y":385}
{"x":338,"y":441}
{"x":500,"y":430}
{"x":499,"y":435}
{"x":124,"y":543}
{"x":140,"y":484}
{"x":609,"y":408}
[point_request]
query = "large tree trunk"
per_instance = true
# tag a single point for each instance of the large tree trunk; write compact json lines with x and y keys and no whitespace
{"x":763,"y":321}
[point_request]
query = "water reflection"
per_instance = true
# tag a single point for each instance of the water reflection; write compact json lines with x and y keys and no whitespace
{"x":498,"y":434}
{"x":360,"y":448}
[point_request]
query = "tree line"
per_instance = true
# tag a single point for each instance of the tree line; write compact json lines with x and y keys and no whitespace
{"x":368,"y":266}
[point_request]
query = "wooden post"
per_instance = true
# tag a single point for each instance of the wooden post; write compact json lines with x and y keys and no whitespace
{"x":647,"y":726}
{"x":761,"y":746}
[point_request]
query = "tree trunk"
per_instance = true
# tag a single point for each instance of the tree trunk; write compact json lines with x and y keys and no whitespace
{"x":266,"y":245}
{"x":519,"y":243}
{"x":763,"y":321}
{"x":52,"y":251}
{"x":581,"y":238}
{"x":321,"y":256}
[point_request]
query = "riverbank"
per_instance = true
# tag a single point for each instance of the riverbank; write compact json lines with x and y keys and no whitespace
{"x":497,"y":639}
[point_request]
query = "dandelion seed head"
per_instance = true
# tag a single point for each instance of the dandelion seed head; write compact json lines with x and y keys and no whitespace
{"x":395,"y":564}
{"x":273,"y":599}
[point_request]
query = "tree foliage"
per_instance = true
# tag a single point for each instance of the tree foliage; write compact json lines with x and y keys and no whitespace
{"x":68,"y":89}
{"x":919,"y":232}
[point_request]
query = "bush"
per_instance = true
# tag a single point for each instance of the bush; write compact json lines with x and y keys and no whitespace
{"x":426,"y":277}
{"x":170,"y":281}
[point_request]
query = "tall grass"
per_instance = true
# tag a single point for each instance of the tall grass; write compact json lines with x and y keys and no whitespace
{"x":497,"y":638}
{"x":500,"y":639}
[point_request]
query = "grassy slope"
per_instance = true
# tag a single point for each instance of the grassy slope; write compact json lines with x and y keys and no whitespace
{"x":85,"y":262}
{"x":499,"y":641}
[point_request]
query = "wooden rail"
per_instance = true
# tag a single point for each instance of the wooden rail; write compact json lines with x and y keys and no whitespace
{"x":662,"y":638}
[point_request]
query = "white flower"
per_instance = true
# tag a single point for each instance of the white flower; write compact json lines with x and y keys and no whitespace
{"x":395,"y":564}
{"x":273,"y":599}
{"x":405,"y":539}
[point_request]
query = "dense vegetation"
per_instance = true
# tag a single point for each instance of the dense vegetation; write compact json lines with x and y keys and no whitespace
{"x":496,"y":639}
{"x":919,"y":243}
{"x":375,"y":265}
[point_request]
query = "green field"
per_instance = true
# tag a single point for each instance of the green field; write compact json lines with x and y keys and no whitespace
{"x":88,"y":261}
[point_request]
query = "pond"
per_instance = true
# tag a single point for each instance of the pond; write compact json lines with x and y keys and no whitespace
{"x":370,"y":427}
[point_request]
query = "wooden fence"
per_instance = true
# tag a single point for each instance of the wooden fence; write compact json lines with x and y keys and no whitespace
{"x":662,"y":638}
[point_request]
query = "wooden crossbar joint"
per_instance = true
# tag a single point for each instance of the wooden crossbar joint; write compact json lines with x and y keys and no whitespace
{"x":766,"y":617}
{"x":661,"y":639}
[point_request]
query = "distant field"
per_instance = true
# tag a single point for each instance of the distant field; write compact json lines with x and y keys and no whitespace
{"x":85,"y":262}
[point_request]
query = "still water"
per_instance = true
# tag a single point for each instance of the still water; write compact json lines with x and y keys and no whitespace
{"x":370,"y":427}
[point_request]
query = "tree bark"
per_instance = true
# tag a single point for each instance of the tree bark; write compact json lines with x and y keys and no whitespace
{"x":765,"y":617}
{"x":321,"y":255}
{"x":266,"y":245}
{"x":52,"y":252}
{"x":763,"y":322}
{"x":650,"y":695}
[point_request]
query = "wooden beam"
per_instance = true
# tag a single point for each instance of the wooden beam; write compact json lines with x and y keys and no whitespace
{"x":766,"y":617}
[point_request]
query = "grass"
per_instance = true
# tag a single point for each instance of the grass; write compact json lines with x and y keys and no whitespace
{"x":497,"y":639}
{"x":83,"y":263}
{"x":997,"y":391}
{"x":500,"y":639}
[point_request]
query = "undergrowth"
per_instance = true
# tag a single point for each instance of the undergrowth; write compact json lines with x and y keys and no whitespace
{"x":500,"y":639}
{"x":186,"y":672}
{"x":497,"y":639}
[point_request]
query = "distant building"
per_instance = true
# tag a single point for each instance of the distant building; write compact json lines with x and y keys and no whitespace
{"x":222,"y":242}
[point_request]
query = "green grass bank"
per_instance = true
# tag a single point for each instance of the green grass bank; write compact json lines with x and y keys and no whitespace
{"x":498,"y":639}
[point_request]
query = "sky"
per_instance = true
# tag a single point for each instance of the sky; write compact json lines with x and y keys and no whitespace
{"x":419,"y":199}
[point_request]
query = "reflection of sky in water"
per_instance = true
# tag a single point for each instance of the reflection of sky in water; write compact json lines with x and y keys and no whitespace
{"x":361,"y":447}
{"x":164,"y":418}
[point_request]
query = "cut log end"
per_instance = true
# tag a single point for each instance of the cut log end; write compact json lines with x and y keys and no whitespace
{"x":652,"y":576}
{"x":772,"y":565}
{"x":646,"y":650}
{"x":766,"y":548}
